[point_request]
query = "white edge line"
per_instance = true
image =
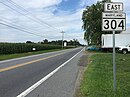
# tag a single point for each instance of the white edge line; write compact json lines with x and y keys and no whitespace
{"x":30,"y":89}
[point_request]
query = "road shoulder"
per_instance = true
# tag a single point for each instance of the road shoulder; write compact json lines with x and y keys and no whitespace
{"x":83,"y":65}
{"x":62,"y":83}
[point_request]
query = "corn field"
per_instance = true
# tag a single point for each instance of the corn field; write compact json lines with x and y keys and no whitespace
{"x":12,"y":48}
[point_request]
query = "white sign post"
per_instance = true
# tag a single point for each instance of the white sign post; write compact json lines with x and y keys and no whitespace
{"x":113,"y":19}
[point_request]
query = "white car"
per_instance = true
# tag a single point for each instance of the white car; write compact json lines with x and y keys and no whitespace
{"x":124,"y":49}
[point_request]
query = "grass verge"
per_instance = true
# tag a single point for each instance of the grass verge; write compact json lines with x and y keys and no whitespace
{"x":98,"y":78}
{"x":11,"y":56}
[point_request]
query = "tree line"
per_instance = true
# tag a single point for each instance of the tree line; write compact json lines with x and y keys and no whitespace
{"x":73,"y":42}
{"x":92,"y":22}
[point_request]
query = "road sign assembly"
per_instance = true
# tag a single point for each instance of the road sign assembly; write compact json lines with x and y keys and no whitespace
{"x":113,"y":19}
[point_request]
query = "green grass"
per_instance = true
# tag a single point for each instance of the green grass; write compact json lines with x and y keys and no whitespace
{"x":98,"y":78}
{"x":11,"y":56}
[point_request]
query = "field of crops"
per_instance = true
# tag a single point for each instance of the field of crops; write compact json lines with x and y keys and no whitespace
{"x":12,"y":48}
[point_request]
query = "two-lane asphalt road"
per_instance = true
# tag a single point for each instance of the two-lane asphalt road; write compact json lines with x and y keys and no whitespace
{"x":17,"y":75}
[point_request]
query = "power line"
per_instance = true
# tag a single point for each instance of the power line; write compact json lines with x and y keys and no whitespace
{"x":21,"y":26}
{"x":13,"y":3}
{"x":18,"y":11}
{"x":17,"y":27}
{"x":25,"y":10}
{"x":35,"y":19}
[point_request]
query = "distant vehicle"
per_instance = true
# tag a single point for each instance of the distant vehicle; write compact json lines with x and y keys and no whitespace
{"x":124,"y":49}
{"x":92,"y":48}
{"x":121,"y":40}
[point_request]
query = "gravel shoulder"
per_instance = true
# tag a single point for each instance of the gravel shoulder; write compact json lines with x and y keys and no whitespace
{"x":83,"y":64}
{"x":63,"y":82}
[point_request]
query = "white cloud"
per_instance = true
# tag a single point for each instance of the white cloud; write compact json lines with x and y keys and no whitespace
{"x":67,"y":21}
{"x":38,"y":3}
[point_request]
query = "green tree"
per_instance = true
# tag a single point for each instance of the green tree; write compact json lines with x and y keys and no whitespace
{"x":92,"y":21}
{"x":29,"y":42}
{"x":45,"y":41}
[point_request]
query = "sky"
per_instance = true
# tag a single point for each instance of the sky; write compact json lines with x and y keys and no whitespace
{"x":45,"y":19}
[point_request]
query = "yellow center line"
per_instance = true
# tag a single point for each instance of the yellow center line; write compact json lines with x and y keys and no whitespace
{"x":27,"y":63}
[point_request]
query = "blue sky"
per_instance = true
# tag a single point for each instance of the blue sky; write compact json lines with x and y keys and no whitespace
{"x":69,"y":5}
{"x":56,"y":16}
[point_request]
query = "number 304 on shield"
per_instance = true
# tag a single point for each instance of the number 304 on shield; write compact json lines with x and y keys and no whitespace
{"x":113,"y":24}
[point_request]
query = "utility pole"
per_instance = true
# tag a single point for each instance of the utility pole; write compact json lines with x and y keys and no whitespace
{"x":62,"y":38}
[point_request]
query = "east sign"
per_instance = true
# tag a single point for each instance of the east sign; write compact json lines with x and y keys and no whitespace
{"x":118,"y":6}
